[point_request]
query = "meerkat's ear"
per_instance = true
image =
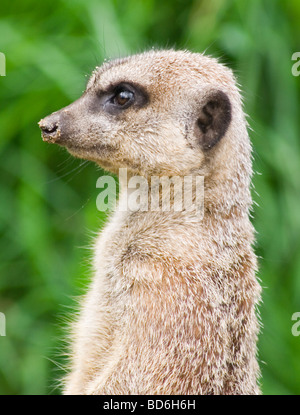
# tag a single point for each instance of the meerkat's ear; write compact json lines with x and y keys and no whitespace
{"x":214,"y":117}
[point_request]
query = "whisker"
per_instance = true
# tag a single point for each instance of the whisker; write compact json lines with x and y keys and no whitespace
{"x":76,"y":169}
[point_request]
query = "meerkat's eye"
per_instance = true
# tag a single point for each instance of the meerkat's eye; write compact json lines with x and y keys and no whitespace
{"x":118,"y":98}
{"x":123,"y":97}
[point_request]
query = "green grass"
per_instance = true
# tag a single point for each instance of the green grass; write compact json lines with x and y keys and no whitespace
{"x":48,"y":209}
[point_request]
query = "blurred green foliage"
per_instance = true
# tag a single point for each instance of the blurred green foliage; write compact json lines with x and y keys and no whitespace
{"x":48,"y":199}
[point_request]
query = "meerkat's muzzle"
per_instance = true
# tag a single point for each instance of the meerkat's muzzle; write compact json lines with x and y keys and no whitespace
{"x":50,"y":128}
{"x":62,"y":126}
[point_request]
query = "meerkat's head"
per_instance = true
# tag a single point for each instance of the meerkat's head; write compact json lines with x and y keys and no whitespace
{"x":158,"y":112}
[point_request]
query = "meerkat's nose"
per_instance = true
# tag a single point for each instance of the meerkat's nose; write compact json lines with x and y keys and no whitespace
{"x":50,"y":128}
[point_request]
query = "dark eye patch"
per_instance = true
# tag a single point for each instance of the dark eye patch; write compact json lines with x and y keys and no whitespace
{"x":119,"y":97}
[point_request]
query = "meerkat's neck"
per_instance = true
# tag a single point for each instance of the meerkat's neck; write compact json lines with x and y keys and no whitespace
{"x":192,"y":195}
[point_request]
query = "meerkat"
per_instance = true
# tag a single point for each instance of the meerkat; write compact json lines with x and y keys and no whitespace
{"x":171,"y":308}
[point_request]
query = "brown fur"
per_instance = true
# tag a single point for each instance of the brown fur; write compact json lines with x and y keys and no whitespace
{"x":171,"y":308}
